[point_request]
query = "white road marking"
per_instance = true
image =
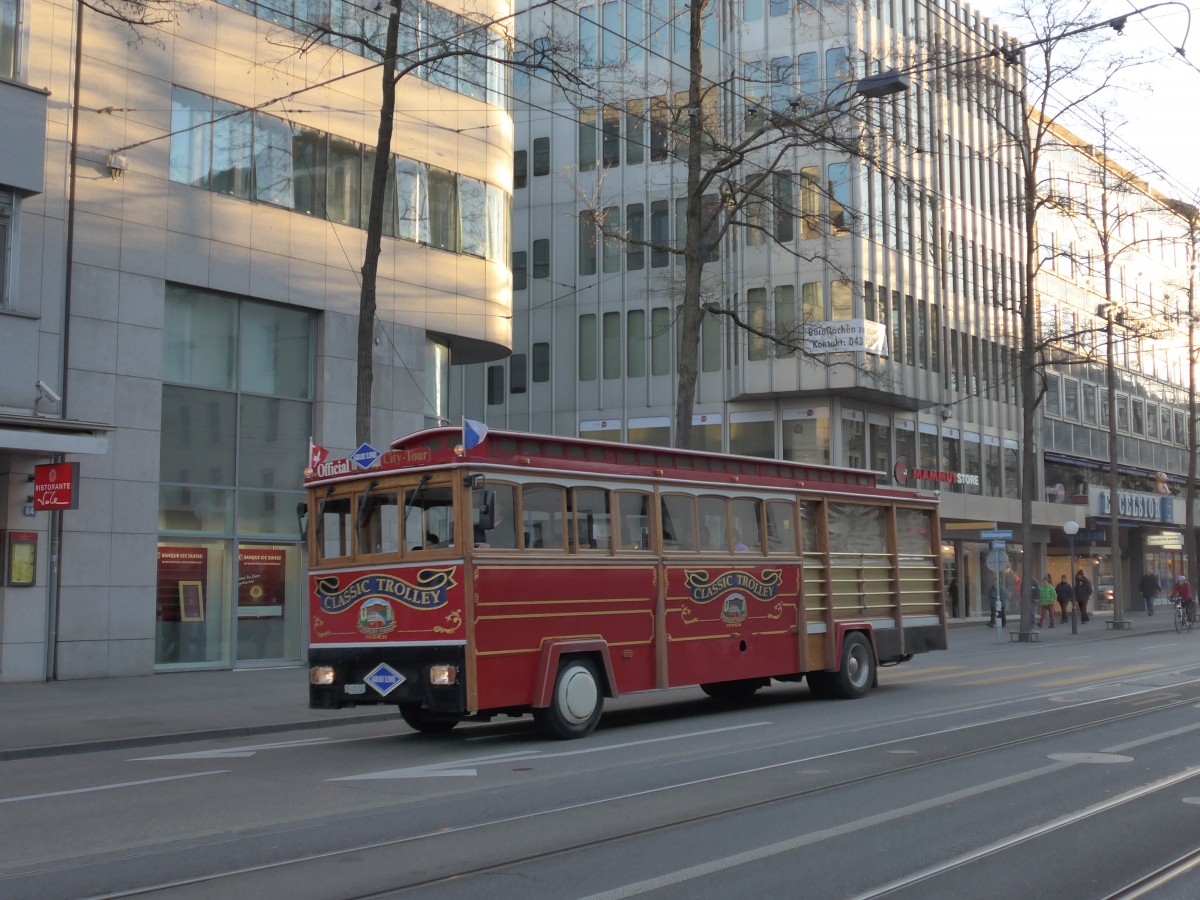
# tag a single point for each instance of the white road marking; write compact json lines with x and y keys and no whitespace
{"x":465,"y":767}
{"x":234,"y":752}
{"x":804,"y":840}
{"x":112,"y":787}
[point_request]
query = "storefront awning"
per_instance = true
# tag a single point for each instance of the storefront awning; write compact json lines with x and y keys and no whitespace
{"x":46,"y":435}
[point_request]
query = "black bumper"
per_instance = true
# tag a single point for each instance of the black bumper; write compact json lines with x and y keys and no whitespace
{"x":352,"y":666}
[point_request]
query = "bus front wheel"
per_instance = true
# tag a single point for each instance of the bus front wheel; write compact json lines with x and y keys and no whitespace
{"x":857,"y":672}
{"x":577,"y":701}
{"x":420,"y":719}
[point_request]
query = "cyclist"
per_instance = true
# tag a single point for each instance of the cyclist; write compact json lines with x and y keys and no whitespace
{"x":1182,"y":593}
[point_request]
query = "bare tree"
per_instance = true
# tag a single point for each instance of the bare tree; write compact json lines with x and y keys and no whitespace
{"x":377,"y":33}
{"x":738,"y":137}
{"x":1062,"y":74}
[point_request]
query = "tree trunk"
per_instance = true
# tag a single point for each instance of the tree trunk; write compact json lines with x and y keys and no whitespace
{"x":370,"y":268}
{"x":693,"y":257}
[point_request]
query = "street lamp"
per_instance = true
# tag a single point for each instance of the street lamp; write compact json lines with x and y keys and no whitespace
{"x":1070,"y":529}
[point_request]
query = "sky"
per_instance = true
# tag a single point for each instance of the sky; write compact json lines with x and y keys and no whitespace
{"x":1161,"y":101}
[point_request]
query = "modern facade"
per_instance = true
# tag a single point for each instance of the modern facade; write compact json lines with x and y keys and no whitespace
{"x":182,"y":213}
{"x":1118,"y":270}
{"x":877,"y":290}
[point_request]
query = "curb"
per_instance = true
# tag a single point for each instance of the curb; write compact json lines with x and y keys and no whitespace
{"x":184,"y":737}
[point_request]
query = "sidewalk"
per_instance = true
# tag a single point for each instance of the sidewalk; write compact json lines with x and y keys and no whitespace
{"x":60,"y":717}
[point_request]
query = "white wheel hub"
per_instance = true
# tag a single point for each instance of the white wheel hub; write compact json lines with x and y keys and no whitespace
{"x":577,"y":695}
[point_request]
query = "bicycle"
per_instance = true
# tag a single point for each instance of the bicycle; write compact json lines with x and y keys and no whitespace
{"x":1182,"y":620}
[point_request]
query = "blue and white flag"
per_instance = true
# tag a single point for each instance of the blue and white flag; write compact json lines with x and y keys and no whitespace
{"x":473,"y":433}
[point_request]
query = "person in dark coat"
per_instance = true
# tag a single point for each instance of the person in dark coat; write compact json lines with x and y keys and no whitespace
{"x":1149,"y":588}
{"x":1083,"y":593}
{"x":1065,"y":595}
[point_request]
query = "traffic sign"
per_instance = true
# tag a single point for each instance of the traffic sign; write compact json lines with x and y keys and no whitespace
{"x":997,"y":545}
{"x":365,"y":456}
{"x":997,"y":561}
{"x":996,"y":534}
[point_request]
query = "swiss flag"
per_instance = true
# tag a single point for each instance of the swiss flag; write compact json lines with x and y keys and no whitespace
{"x":316,"y":455}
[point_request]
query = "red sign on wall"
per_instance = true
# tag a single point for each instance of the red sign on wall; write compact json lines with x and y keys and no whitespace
{"x":56,"y":486}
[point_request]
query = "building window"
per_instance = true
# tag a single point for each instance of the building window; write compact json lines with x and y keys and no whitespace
{"x":520,"y":271}
{"x":611,"y":135}
{"x":8,"y":210}
{"x":541,"y":258}
{"x":660,"y":235}
{"x":587,"y":140}
{"x":1053,"y":396}
{"x":635,"y":132}
{"x":611,"y":261}
{"x":517,"y":374}
{"x":541,"y":156}
{"x":611,"y":325}
{"x":785,"y":216}
{"x":587,"y":242}
{"x":756,"y":315}
{"x":8,"y":40}
{"x":236,"y":417}
{"x":587,"y":347}
{"x":660,"y":341}
{"x":520,"y":169}
{"x":541,"y":361}
{"x":495,"y":385}
{"x":635,"y":227}
{"x":635,"y":343}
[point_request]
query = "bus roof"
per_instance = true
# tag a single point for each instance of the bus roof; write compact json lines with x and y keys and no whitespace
{"x":443,"y":446}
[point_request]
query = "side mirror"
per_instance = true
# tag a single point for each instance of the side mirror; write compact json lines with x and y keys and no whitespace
{"x":487,"y":511}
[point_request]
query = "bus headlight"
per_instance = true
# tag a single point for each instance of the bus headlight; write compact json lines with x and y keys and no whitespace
{"x":320,"y":675}
{"x":443,"y":675}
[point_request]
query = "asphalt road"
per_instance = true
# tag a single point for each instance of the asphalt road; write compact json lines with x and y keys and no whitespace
{"x":990,"y":770}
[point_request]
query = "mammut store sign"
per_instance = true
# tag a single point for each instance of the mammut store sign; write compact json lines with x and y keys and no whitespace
{"x":56,"y":486}
{"x":903,"y":473}
{"x":1131,"y":505}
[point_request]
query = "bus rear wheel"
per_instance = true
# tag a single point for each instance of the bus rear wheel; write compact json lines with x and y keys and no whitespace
{"x":420,"y":719}
{"x":732,"y":691}
{"x":576,"y":703}
{"x":857,"y":672}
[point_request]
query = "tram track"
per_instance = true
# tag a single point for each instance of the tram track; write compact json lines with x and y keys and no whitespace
{"x":983,"y":737}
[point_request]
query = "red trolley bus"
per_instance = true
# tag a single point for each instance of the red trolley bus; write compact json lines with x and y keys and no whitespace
{"x":543,"y":574}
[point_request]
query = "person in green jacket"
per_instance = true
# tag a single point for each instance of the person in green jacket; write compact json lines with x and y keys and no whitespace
{"x":1046,"y":597}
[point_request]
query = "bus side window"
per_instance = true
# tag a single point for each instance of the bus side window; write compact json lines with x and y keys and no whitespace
{"x":591,"y":522}
{"x":678,"y":522}
{"x":503,"y":534}
{"x":747,"y":530}
{"x":781,"y":527}
{"x":542,"y":516}
{"x":633,"y":516}
{"x":714,"y":524}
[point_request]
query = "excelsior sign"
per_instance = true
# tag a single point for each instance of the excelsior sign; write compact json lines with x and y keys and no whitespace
{"x":56,"y":486}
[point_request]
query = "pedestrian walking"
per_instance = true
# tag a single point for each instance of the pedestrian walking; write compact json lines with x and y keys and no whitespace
{"x":1183,"y":593}
{"x":952,"y":596}
{"x":1083,"y":593}
{"x":1065,"y":594}
{"x":1150,"y":590}
{"x":1046,"y":598}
